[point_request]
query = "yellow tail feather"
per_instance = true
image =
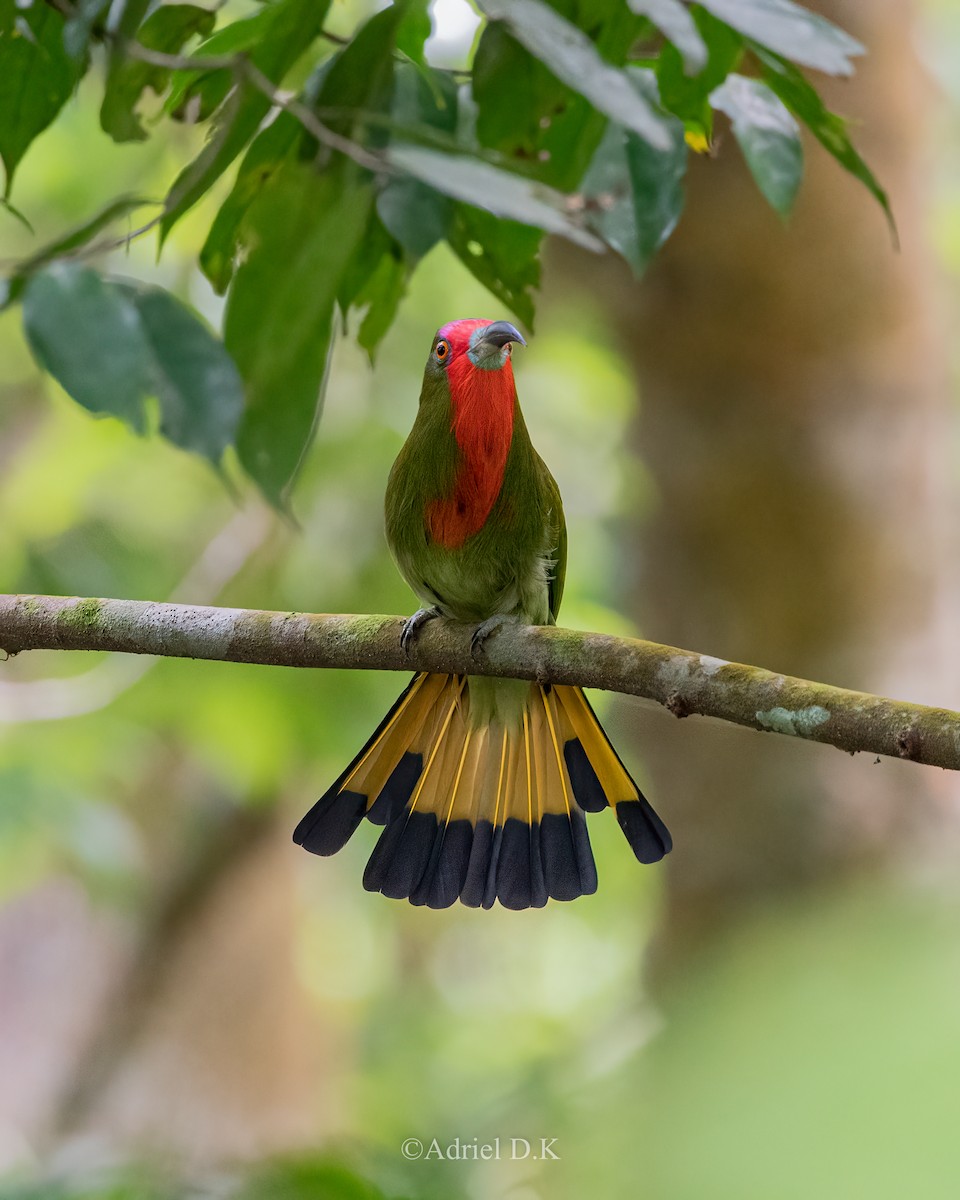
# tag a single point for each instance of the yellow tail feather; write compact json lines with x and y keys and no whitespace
{"x":483,"y":809}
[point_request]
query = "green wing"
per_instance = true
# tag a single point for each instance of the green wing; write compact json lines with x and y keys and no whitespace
{"x":558,"y":529}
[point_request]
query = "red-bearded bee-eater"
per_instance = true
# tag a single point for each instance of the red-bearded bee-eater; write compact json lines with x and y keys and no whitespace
{"x":481,"y":783}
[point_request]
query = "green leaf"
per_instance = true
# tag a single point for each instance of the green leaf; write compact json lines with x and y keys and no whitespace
{"x":794,"y":32}
{"x":195,"y":96}
{"x":688,"y":96}
{"x":196,"y":381}
{"x":413,"y":31}
{"x":573,"y":58}
{"x":111,"y":346}
{"x":768,"y":136}
{"x":239,"y":35}
{"x":375,"y":243}
{"x":656,"y":179}
{"x":424,"y":100}
{"x":518,"y":98}
{"x":36,"y":77}
{"x":293,"y":26}
{"x":126,"y":16}
{"x":634,"y":193}
{"x":502,"y":255}
{"x":267,"y":152}
{"x":211,"y":87}
{"x":167,"y":30}
{"x":828,"y":128}
{"x":415,"y":214}
{"x":78,"y":236}
{"x":380,"y":296}
{"x":480,"y":184}
{"x":673,"y":19}
{"x":361,"y":77}
{"x":78,"y":28}
{"x":374,"y":279}
{"x":88,"y":335}
{"x":527,"y":114}
{"x":278,"y":322}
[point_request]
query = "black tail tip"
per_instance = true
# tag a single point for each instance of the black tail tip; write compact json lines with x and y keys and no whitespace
{"x":649,"y":838}
{"x":330,"y":824}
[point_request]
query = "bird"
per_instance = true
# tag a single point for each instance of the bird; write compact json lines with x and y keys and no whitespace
{"x":481,"y":784}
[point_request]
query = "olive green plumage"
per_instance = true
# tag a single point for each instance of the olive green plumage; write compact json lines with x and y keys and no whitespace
{"x":514,"y":566}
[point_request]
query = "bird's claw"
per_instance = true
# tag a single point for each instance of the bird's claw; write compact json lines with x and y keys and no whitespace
{"x":413,"y":625}
{"x":483,"y":631}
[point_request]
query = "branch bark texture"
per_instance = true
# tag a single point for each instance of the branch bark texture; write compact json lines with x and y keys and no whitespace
{"x":683,"y":681}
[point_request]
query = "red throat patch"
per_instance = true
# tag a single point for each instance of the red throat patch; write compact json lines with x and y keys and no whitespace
{"x":482,"y":403}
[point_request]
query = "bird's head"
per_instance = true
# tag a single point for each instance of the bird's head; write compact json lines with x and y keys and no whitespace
{"x":469,"y":375}
{"x":462,"y":349}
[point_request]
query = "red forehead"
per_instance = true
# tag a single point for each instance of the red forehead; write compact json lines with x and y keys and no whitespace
{"x":458,"y":333}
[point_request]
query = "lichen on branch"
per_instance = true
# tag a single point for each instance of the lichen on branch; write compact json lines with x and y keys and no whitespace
{"x":685,"y":682}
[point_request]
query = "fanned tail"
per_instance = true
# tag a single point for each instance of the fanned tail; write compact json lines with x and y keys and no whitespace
{"x":483,"y":812}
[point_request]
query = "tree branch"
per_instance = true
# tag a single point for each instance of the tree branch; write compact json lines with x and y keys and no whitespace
{"x":682,"y":681}
{"x":241,"y":67}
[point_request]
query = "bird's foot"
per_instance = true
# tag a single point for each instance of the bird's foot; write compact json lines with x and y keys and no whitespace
{"x":485,"y":631}
{"x":413,"y":625}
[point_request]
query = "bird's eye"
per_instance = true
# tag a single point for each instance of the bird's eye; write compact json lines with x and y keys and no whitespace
{"x":442,"y":352}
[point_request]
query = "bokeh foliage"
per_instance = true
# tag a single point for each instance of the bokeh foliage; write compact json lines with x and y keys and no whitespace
{"x":813,"y":1053}
{"x":356,"y":156}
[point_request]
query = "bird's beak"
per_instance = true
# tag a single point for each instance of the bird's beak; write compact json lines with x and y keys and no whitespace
{"x":499,"y":333}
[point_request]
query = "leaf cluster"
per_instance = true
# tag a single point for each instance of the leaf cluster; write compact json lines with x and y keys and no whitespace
{"x":349,"y":159}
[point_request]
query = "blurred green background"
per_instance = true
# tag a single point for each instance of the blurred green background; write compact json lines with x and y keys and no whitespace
{"x":757,"y":452}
